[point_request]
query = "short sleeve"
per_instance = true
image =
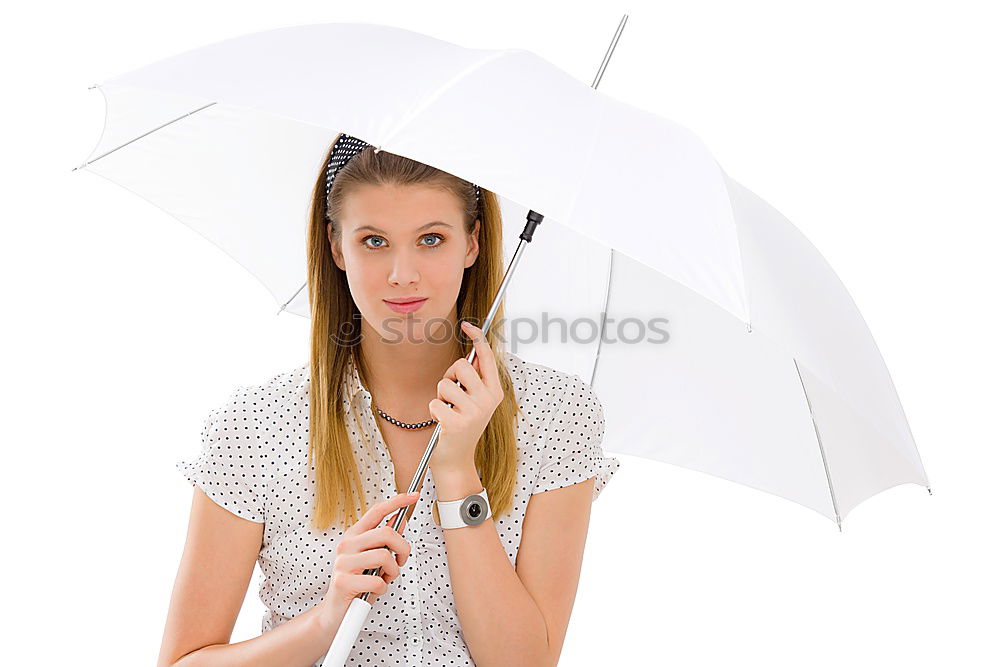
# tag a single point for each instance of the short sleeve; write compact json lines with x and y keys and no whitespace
{"x":229,"y":468}
{"x":573,"y":451}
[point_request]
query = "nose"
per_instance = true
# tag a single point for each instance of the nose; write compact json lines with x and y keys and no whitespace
{"x":404,"y":269}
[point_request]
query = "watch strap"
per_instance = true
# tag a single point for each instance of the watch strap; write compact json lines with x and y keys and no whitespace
{"x":469,"y":511}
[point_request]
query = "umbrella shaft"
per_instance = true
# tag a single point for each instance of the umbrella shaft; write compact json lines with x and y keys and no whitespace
{"x":533,"y":220}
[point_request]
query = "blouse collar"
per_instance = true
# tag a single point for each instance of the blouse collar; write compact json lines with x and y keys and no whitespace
{"x":352,"y":384}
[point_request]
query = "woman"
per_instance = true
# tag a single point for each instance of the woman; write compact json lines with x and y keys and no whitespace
{"x":399,"y":253}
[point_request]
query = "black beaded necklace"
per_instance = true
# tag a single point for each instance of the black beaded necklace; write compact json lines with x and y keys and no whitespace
{"x":402,"y":424}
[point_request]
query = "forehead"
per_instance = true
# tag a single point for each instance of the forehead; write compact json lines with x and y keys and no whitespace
{"x":399,"y":207}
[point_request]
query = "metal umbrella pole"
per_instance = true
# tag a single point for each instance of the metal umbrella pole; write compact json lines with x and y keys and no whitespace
{"x":357,"y":612}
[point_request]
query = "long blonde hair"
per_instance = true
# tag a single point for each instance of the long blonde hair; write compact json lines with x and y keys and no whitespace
{"x":340,"y":493}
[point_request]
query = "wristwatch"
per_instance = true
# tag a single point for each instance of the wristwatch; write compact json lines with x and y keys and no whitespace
{"x":469,"y":511}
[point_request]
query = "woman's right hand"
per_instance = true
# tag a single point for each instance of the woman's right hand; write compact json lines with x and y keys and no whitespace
{"x":361,"y":548}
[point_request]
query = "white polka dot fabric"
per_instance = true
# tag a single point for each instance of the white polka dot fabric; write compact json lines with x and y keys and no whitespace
{"x":254,"y":462}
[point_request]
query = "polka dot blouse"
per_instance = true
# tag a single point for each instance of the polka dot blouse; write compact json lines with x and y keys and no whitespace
{"x":254,"y":462}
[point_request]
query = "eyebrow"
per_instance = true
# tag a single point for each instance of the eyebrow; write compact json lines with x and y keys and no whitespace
{"x":380,"y":231}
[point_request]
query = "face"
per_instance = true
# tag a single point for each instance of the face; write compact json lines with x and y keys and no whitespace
{"x":399,"y":243}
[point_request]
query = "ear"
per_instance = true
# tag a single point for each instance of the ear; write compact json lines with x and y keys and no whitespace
{"x":473,"y":252}
{"x":338,"y":257}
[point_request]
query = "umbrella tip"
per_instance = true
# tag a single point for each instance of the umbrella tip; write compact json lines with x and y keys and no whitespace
{"x":929,"y":492}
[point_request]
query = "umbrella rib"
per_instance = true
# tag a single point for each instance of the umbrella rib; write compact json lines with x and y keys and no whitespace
{"x":611,"y":264}
{"x":604,"y":317}
{"x":144,"y":134}
{"x":291,"y":297}
{"x":819,"y":440}
{"x":459,"y":76}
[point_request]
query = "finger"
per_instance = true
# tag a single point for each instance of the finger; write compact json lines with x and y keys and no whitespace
{"x":451,"y":392}
{"x":373,"y":517}
{"x":391,"y":519}
{"x":473,"y":384}
{"x":440,"y":410}
{"x":383,"y":539}
{"x":464,"y":372}
{"x":487,"y":362}
{"x":452,"y":372}
{"x":365,"y":583}
{"x":372,"y":559}
{"x":387,"y":563}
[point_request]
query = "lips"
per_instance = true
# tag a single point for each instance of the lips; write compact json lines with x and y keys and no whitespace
{"x":406,"y":305}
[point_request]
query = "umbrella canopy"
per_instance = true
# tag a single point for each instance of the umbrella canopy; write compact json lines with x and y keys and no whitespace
{"x":759,"y":368}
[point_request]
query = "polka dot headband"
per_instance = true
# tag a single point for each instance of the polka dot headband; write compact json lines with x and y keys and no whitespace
{"x":346,"y":148}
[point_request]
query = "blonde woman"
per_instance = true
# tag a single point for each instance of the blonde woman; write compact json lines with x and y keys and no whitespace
{"x":304,"y":472}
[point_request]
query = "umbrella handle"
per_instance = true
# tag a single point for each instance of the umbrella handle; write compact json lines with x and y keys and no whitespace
{"x":347,"y":633}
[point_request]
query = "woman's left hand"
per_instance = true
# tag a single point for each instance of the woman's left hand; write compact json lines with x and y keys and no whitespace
{"x":472,"y":406}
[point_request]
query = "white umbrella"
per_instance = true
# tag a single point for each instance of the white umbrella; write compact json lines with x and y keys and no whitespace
{"x":765,"y":372}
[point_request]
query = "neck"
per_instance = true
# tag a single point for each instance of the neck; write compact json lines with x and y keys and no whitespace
{"x":403,"y":374}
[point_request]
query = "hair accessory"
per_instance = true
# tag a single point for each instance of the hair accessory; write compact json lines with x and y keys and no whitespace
{"x":346,"y":148}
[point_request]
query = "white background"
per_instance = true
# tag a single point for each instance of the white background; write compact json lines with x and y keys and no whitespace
{"x":871,"y":125}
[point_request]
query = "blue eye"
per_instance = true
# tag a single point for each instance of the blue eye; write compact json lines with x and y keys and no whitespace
{"x":426,"y":245}
{"x":364,"y":242}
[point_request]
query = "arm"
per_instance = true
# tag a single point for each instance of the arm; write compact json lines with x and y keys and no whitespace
{"x":212,"y":579}
{"x":518,"y":616}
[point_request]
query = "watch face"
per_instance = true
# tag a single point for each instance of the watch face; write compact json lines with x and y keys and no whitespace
{"x":473,"y":510}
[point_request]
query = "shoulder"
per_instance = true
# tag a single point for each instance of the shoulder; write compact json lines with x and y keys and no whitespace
{"x":280,"y":387}
{"x":529,"y":375}
{"x":540,"y":388}
{"x":251,"y":402}
{"x":562,"y":427}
